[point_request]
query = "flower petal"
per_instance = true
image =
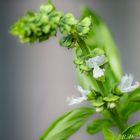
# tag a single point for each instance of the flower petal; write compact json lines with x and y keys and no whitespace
{"x":126,"y":84}
{"x":131,"y":88}
{"x":98,"y":72}
{"x":82,"y":91}
{"x":77,"y":100}
{"x":99,"y":60}
{"x":126,"y":81}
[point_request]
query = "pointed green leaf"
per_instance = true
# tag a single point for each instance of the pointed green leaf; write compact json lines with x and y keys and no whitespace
{"x":109,"y":135}
{"x":127,"y":109}
{"x":130,"y":104}
{"x":98,"y":125}
{"x":132,"y":132}
{"x":68,"y":124}
{"x":134,"y":96}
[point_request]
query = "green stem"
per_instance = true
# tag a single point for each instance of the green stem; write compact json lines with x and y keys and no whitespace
{"x":85,"y":50}
{"x":116,"y":117}
{"x":82,"y":45}
{"x":101,"y":87}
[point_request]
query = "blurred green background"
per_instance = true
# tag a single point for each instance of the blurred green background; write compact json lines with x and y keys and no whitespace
{"x":36,"y":79}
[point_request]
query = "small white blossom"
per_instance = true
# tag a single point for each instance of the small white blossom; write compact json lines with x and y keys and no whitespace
{"x":82,"y":91}
{"x":111,"y":105}
{"x":95,"y":63}
{"x":77,"y":100}
{"x":126,"y":84}
{"x":99,"y":109}
{"x":97,"y":71}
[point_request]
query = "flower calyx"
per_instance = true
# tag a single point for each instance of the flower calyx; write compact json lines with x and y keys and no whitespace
{"x":111,"y":100}
{"x":98,"y":104}
{"x":83,"y":27}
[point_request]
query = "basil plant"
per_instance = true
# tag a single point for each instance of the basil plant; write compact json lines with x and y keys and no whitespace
{"x":111,"y":93}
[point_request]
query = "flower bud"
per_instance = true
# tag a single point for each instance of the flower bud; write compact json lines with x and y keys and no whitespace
{"x":67,"y":22}
{"x":46,"y":8}
{"x":98,"y":102}
{"x":67,"y":41}
{"x":111,"y":105}
{"x":99,"y":109}
{"x":83,"y":27}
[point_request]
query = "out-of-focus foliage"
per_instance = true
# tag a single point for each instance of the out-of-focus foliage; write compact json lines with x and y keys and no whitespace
{"x":129,"y":104}
{"x":98,"y":124}
{"x":131,"y":132}
{"x":68,"y":124}
{"x":109,"y":135}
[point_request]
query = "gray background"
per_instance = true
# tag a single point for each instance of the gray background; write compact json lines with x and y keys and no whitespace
{"x":36,"y":79}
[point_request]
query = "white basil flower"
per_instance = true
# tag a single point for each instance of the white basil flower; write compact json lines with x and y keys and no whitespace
{"x":111,"y":105}
{"x":98,"y":72}
{"x":77,"y":100}
{"x":99,"y":109}
{"x":95,"y":63}
{"x":126,"y":84}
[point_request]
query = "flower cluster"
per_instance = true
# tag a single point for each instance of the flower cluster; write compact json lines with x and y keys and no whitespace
{"x":37,"y":26}
{"x":72,"y":28}
{"x":96,"y":62}
{"x":109,"y":101}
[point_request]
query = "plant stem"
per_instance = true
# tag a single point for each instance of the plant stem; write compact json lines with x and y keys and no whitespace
{"x":116,"y":117}
{"x":82,"y":45}
{"x":102,"y":89}
{"x":85,"y":50}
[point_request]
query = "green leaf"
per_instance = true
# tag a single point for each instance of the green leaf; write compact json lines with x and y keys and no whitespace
{"x":98,"y":125}
{"x":131,"y":132}
{"x":108,"y":134}
{"x":128,"y":109}
{"x":129,"y":105}
{"x":134,"y":96}
{"x":68,"y":124}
